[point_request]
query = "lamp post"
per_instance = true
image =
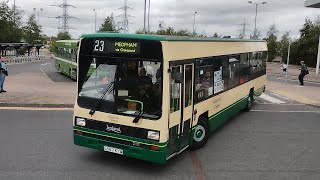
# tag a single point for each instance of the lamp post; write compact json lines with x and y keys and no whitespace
{"x":149,"y":17}
{"x":41,"y":9}
{"x":144,"y":19}
{"x":95,"y":20}
{"x":194,"y":21}
{"x":255,"y":19}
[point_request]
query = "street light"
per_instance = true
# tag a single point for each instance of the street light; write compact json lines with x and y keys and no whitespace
{"x":34,"y":9}
{"x":194,"y":21}
{"x":255,"y":20}
{"x":144,"y":19}
{"x":149,"y":17}
{"x":95,"y":20}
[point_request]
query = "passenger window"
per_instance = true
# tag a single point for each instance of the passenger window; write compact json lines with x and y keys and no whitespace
{"x":175,"y":89}
{"x":188,"y":85}
{"x":203,"y":79}
{"x":244,"y":67}
{"x":234,"y":72}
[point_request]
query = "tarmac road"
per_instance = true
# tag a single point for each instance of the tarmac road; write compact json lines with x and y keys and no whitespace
{"x":273,"y":141}
{"x":39,"y":67}
{"x":291,"y":80}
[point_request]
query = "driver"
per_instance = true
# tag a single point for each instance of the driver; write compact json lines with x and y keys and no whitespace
{"x":145,"y":91}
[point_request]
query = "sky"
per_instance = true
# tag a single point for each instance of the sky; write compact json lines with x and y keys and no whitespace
{"x":222,"y":16}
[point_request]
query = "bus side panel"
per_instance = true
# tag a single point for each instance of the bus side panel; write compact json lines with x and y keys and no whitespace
{"x":227,"y":104}
{"x":220,"y":118}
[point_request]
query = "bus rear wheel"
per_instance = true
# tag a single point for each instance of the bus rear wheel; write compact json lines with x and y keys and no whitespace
{"x":201,"y":134}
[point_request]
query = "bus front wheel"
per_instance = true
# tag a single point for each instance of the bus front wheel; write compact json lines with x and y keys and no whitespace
{"x":201,"y":134}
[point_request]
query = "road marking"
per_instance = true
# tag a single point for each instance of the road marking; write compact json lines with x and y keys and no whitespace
{"x":280,"y":96}
{"x":258,"y":110}
{"x":197,"y":166}
{"x":287,"y":104}
{"x":45,"y":64}
{"x":35,"y":109}
{"x":271,"y":99}
{"x":305,"y":81}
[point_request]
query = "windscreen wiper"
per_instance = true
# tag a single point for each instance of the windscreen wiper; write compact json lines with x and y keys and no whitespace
{"x":106,"y":92}
{"x":137,"y":118}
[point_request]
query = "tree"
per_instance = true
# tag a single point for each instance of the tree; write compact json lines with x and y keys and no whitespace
{"x":216,"y":35}
{"x":63,"y":36}
{"x":283,"y":46}
{"x":32,"y":31}
{"x":307,"y":45}
{"x":109,"y":25}
{"x":272,"y":42}
{"x":183,"y":32}
{"x":256,"y":34}
{"x":10,"y":30}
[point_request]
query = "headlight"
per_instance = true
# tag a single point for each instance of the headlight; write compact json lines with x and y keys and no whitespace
{"x":153,"y":135}
{"x":80,"y":122}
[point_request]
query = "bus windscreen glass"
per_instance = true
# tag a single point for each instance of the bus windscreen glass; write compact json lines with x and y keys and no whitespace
{"x":133,"y":86}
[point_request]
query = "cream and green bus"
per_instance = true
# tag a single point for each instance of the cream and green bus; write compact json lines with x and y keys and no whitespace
{"x":65,"y":57}
{"x":151,"y":97}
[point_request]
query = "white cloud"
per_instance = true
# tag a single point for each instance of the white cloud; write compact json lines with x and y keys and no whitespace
{"x":219,"y":16}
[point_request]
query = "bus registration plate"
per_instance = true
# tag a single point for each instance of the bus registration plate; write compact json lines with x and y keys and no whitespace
{"x":113,"y":150}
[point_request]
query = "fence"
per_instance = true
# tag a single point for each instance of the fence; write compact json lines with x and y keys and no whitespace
{"x":23,"y":59}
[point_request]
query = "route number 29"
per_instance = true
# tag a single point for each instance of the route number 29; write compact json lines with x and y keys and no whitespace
{"x":98,"y":46}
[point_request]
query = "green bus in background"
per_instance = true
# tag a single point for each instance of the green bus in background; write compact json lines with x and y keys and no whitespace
{"x":66,"y":57}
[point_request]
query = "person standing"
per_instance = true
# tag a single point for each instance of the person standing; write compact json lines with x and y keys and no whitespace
{"x":303,"y":71}
{"x":3,"y":74}
{"x":283,"y":68}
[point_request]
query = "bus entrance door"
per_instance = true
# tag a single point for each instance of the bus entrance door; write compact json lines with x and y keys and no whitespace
{"x":181,"y":107}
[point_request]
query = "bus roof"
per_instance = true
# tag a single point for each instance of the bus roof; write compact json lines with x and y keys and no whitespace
{"x":70,"y":41}
{"x":166,"y":38}
{"x":67,"y":43}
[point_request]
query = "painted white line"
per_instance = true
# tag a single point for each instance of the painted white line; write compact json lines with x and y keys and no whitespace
{"x":35,"y":109}
{"x":306,"y":81}
{"x":271,"y":99}
{"x":280,"y":96}
{"x":285,"y":111}
{"x":281,"y":104}
{"x":45,"y":64}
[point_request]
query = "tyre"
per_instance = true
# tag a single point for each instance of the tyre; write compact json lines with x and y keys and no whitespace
{"x":249,"y":103}
{"x":201,"y":134}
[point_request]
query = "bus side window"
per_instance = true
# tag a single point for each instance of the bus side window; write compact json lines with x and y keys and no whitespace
{"x":175,"y":90}
{"x":245,"y":68}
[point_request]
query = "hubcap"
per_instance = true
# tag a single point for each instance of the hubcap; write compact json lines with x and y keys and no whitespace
{"x":199,"y":133}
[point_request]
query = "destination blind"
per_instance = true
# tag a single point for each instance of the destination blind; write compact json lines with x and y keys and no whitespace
{"x":117,"y":46}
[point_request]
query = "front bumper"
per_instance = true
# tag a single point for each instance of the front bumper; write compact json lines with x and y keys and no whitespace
{"x":98,"y":141}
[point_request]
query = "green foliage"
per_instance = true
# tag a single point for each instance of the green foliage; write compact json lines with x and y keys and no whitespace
{"x":63,"y":36}
{"x":283,"y":46}
{"x":306,"y":48}
{"x":216,"y":35}
{"x":272,"y":42}
{"x":32,"y":31}
{"x":53,"y":46}
{"x":109,"y":25}
{"x":10,"y":30}
{"x":22,"y":51}
{"x":162,"y":30}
